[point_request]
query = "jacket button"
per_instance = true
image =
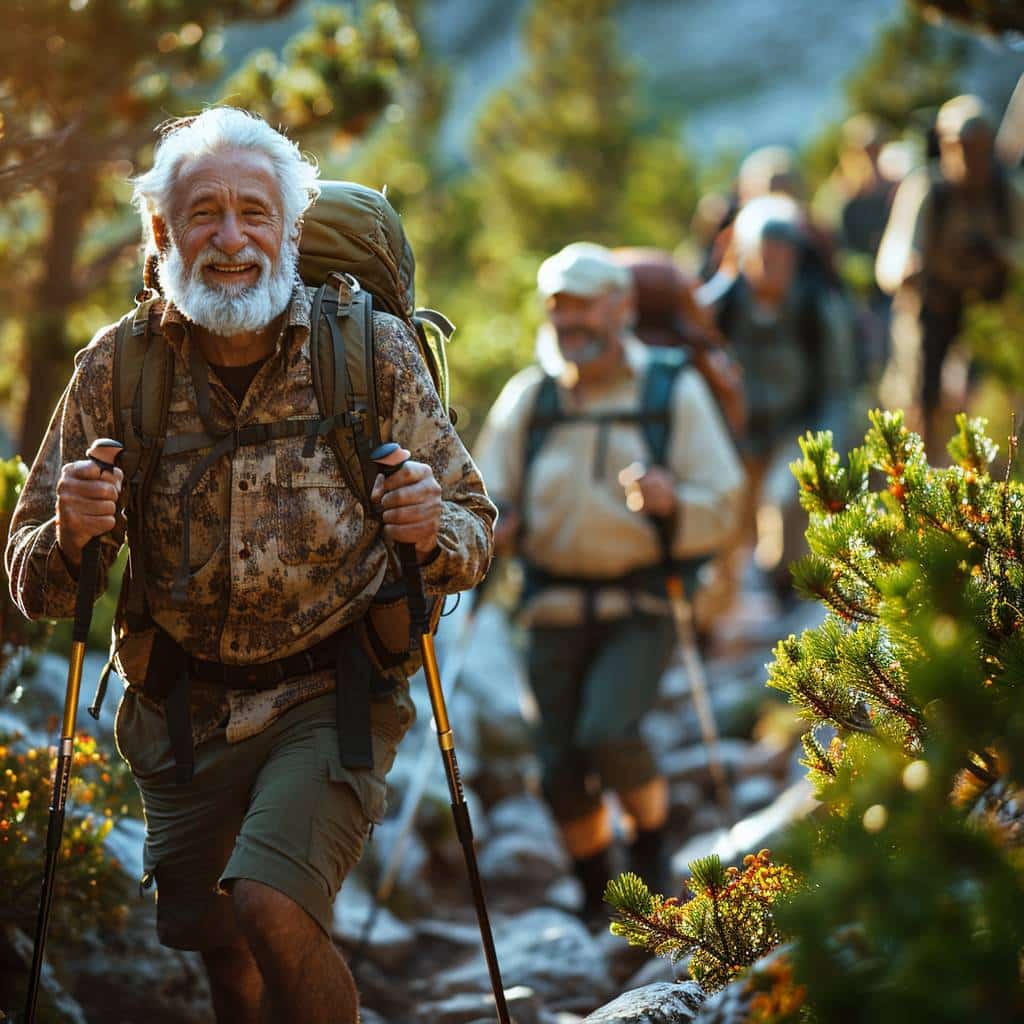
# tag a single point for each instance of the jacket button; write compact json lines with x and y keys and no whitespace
{"x":244,"y":553}
{"x":243,"y":485}
{"x":234,"y":645}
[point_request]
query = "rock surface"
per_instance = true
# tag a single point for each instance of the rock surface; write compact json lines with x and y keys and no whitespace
{"x":661,"y":1003}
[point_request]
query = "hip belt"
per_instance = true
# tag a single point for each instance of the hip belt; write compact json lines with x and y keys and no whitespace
{"x":172,"y":671}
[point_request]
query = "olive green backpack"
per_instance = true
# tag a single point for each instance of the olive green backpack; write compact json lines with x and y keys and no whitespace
{"x":354,"y":251}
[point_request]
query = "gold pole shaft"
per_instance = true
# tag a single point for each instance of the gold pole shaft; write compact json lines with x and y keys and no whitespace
{"x":682,"y":614}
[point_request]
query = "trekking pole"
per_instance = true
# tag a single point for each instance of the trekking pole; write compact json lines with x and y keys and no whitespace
{"x":686,"y":636}
{"x":686,"y":633}
{"x":420,"y":630}
{"x":413,"y":796}
{"x":104,"y":453}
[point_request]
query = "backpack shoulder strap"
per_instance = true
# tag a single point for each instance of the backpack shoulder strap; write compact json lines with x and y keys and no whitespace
{"x":656,"y":399}
{"x":663,"y":368}
{"x":143,"y":374}
{"x":725,"y":314}
{"x":939,"y":196}
{"x":341,"y":351}
{"x":811,"y":333}
{"x":547,"y":411}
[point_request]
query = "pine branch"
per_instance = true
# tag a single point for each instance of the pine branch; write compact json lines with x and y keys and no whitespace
{"x":726,"y":926}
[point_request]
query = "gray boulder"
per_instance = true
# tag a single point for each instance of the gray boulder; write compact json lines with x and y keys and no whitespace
{"x":753,"y":793}
{"x":511,"y":857}
{"x":750,"y":834}
{"x":523,"y":1006}
{"x":544,"y":949}
{"x":389,"y":940}
{"x":662,"y":1003}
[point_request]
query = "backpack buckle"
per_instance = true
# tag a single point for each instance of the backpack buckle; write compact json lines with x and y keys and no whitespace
{"x":348,"y":288}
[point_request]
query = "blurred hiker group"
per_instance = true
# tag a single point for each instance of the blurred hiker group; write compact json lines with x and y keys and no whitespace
{"x":654,"y":434}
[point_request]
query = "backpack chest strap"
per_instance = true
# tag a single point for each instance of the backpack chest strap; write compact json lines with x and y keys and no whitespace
{"x":225,"y":444}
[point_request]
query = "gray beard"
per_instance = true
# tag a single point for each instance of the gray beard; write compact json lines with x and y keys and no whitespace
{"x":229,"y":310}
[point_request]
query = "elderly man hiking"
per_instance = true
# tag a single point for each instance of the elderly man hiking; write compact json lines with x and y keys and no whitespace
{"x":262,"y":712}
{"x":608,"y":466}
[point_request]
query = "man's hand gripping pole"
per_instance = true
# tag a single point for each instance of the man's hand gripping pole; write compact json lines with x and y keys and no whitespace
{"x":104,"y":453}
{"x":384,"y":458}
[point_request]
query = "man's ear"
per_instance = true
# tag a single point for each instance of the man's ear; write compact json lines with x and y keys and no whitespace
{"x":161,"y":234}
{"x":625,"y":309}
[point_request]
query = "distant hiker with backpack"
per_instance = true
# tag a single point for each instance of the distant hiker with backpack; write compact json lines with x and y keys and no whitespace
{"x":606,"y":461}
{"x":792,"y":335}
{"x":955,"y":233}
{"x":265,"y":699}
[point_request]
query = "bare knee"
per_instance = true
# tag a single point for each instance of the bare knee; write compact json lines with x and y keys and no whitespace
{"x":275,"y":926}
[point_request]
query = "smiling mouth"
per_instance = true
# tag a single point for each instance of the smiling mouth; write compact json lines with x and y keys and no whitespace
{"x":231,"y":268}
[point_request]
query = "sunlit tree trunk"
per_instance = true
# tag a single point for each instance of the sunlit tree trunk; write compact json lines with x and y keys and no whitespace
{"x":46,"y":333}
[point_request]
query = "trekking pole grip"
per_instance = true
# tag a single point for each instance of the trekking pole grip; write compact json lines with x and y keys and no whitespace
{"x":419,"y":618}
{"x":105,"y":453}
{"x":420,"y":629}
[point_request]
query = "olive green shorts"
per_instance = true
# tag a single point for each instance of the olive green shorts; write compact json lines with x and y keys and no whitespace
{"x":278,"y":808}
{"x":593,"y":684}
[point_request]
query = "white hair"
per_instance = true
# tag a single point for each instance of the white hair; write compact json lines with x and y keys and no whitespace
{"x":224,"y":128}
{"x":772,"y":214}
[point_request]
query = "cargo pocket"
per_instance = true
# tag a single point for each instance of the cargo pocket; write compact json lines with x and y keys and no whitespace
{"x":317,"y":516}
{"x":164,"y":526}
{"x":141,"y":737}
{"x":348,"y":803}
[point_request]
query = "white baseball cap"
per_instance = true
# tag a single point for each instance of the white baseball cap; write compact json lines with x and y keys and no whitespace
{"x":582,"y":268}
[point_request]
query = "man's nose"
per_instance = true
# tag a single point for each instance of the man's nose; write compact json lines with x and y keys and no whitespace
{"x":230,"y":238}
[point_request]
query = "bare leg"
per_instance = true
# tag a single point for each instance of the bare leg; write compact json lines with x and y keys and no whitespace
{"x":306,"y":979}
{"x":236,"y":984}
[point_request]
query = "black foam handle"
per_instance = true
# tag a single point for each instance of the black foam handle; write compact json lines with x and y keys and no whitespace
{"x":105,"y":453}
{"x":419,"y":616}
{"x":88,"y":579}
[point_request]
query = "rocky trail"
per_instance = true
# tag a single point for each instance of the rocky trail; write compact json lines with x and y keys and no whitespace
{"x":422,"y":960}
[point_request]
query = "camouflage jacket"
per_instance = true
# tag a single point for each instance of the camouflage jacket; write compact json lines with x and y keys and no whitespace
{"x":281,"y":554}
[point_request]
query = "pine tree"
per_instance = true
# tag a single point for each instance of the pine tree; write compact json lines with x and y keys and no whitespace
{"x":910,"y":899}
{"x":914,"y":899}
{"x":912,"y":70}
{"x":554,"y":145}
{"x":82,"y":85}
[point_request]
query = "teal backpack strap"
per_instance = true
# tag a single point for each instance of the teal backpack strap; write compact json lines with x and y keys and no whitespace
{"x":546,"y":412}
{"x":664,"y":366}
{"x":656,"y":401}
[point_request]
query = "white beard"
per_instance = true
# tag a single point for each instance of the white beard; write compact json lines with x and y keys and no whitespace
{"x":230,"y":309}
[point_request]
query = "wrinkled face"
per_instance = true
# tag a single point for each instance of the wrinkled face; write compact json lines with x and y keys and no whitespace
{"x":588,"y":329}
{"x":226,"y":262}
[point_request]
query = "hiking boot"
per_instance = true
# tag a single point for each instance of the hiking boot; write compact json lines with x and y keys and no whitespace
{"x":649,"y":858}
{"x":594,"y":873}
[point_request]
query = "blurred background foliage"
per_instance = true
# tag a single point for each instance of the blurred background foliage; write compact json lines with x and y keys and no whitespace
{"x":576,"y":144}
